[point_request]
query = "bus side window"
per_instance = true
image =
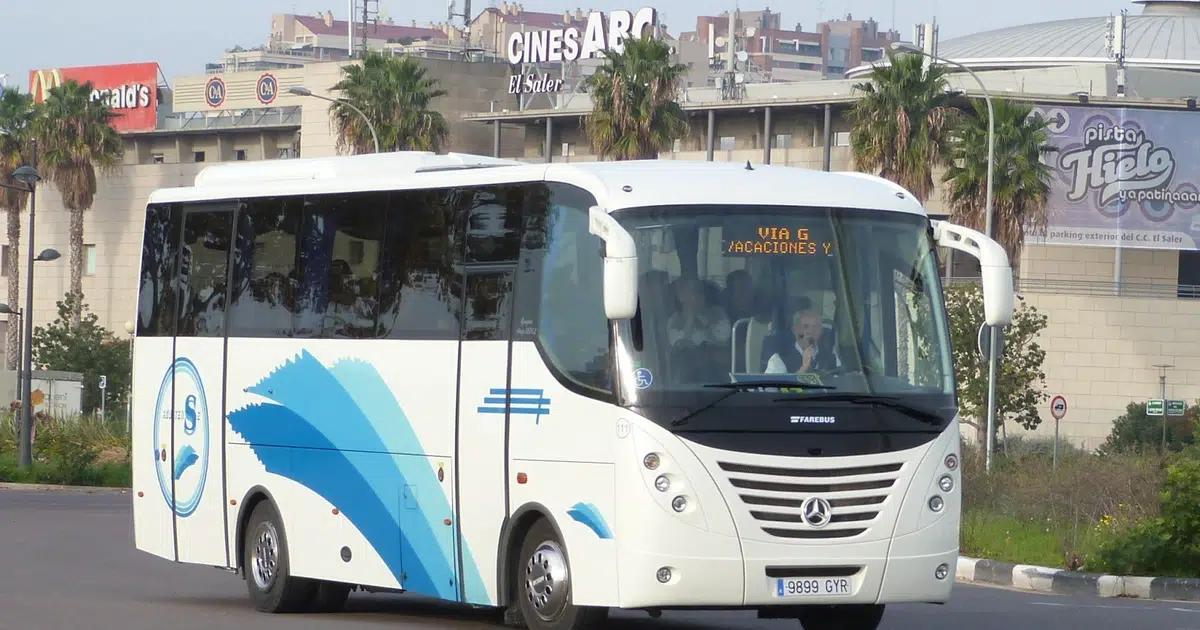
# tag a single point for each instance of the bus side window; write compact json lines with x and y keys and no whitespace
{"x":264,"y":267}
{"x":493,"y":241}
{"x":560,"y":303}
{"x":419,"y":286}
{"x":160,"y":252}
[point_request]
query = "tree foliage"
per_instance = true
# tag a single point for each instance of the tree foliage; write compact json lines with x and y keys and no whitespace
{"x":1134,"y":431}
{"x":16,"y":122}
{"x":87,"y":348}
{"x":1020,"y":175}
{"x":635,"y":111}
{"x":398,"y":96}
{"x":900,"y":124}
{"x":1020,"y":386}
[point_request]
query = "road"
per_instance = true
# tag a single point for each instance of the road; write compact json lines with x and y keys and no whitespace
{"x":67,"y":562}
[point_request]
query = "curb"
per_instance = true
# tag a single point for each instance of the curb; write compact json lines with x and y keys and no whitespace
{"x":1063,"y":582}
{"x":37,"y":487}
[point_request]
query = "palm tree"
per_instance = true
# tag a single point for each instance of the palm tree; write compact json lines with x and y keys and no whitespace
{"x":16,"y":116}
{"x":76,"y":140}
{"x":396,"y":94}
{"x":899,"y":125}
{"x":635,"y":113}
{"x":1021,"y":177}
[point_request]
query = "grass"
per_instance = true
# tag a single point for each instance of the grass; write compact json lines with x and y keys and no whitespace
{"x":81,"y":451}
{"x":1029,"y":512}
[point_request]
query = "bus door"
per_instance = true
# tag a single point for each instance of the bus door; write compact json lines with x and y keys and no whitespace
{"x":198,"y":412}
{"x":492,"y":249}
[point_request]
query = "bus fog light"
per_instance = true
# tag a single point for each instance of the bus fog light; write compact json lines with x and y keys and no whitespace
{"x":952,"y":461}
{"x":651,"y":461}
{"x":662,"y":483}
{"x":664,"y":575}
{"x":936,"y":503}
{"x":946,"y":483}
{"x":941,"y":571}
{"x":679,"y":504}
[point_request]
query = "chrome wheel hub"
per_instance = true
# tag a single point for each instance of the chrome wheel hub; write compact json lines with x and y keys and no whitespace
{"x":266,"y":555}
{"x":547,"y":580}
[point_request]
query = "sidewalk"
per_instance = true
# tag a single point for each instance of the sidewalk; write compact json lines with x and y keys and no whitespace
{"x":1062,"y":582}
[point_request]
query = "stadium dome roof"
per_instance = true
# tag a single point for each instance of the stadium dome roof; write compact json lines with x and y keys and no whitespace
{"x":1165,"y":35}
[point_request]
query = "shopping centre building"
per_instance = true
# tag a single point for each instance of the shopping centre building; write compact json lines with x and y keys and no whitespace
{"x":1118,"y":279}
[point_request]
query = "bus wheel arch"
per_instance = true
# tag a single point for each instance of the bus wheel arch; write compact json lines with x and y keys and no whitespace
{"x":512,"y":535}
{"x":253,"y":497}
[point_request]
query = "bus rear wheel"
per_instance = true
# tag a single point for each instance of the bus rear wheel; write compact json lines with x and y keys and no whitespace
{"x":543,"y":584}
{"x":272,"y":587}
{"x":842,"y":617}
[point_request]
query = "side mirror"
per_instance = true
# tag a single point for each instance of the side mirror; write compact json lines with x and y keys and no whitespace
{"x":993,"y":263}
{"x":620,"y":264}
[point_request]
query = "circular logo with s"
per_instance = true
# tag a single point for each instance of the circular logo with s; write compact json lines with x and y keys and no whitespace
{"x":181,"y":437}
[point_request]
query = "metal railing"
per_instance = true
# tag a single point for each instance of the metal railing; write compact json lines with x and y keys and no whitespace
{"x":232,"y":119}
{"x":1097,"y":288}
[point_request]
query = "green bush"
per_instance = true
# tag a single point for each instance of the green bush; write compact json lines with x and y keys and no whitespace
{"x":1167,"y":545}
{"x":1134,"y":431}
{"x":83,"y":451}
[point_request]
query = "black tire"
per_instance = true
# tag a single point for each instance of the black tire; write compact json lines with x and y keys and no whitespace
{"x":330,"y":597}
{"x":272,"y":587}
{"x":542,"y":584}
{"x":843,"y":617}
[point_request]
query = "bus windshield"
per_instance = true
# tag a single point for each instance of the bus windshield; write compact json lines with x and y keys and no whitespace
{"x":844,"y":302}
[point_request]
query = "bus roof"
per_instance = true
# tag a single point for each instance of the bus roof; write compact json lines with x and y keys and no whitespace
{"x":616,"y":184}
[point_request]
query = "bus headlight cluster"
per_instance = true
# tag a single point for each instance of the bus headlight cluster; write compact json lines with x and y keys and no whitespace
{"x":667,"y":483}
{"x":662,"y":483}
{"x":679,"y":503}
{"x":651,"y":461}
{"x":946,"y":483}
{"x":952,"y":461}
{"x":936,"y":503}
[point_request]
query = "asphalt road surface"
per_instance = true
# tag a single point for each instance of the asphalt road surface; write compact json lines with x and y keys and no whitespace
{"x":67,"y":561}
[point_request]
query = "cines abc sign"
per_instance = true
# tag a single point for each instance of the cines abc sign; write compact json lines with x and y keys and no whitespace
{"x":129,"y":96}
{"x":569,"y":44}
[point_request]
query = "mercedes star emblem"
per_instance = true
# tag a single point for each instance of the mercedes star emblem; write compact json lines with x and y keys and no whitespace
{"x":816,"y":511}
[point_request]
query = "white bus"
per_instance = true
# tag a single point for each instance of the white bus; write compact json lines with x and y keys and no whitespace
{"x":552,"y":389}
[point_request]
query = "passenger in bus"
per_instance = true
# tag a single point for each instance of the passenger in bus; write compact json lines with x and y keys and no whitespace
{"x":811,"y":351}
{"x":697,"y":321}
{"x":740,"y":296}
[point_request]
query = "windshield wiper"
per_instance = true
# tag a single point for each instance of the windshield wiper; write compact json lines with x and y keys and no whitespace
{"x":921,"y":414}
{"x":738,"y":387}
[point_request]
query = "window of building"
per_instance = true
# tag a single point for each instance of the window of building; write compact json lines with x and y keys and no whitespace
{"x":558,"y":256}
{"x":198,"y":156}
{"x":783,"y":141}
{"x":4,"y":264}
{"x":841,"y":139}
{"x":157,"y":158}
{"x":89,"y":260}
{"x":239,"y":154}
{"x":728,"y":143}
{"x":1189,"y":275}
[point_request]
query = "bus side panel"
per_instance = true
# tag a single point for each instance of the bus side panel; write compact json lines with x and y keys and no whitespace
{"x":481,"y":424}
{"x":199,"y":461}
{"x":153,"y":458}
{"x":349,"y":425}
{"x":567,"y":457}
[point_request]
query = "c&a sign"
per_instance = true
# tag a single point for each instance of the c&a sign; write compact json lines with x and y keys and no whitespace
{"x":129,"y":89}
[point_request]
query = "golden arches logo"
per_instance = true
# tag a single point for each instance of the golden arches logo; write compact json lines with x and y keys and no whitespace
{"x":42,"y":82}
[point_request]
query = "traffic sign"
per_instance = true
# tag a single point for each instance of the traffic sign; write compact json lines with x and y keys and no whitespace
{"x":984,"y":341}
{"x":1154,"y":407}
{"x":1176,"y":407}
{"x":103,"y":382}
{"x":1058,"y":407}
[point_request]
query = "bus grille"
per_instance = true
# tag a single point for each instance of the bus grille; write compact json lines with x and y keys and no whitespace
{"x":775,"y":496}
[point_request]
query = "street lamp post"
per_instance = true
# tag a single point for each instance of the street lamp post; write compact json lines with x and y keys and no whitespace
{"x":303,"y":91}
{"x":989,"y":229}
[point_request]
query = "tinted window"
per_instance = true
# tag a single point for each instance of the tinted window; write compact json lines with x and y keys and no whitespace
{"x":204,"y":267}
{"x":493,"y":245}
{"x":420,"y":286}
{"x":559,"y":286}
{"x":265,"y":275}
{"x":160,"y":251}
{"x":338,"y":261}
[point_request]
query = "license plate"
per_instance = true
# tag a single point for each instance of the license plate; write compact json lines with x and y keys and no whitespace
{"x":811,"y":587}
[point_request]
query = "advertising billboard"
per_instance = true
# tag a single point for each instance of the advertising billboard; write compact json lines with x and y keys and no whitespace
{"x":130,"y":89}
{"x":1123,"y":175}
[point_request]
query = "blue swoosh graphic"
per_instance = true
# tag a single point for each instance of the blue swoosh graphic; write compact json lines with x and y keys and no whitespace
{"x":589,"y":515}
{"x":361,"y":454}
{"x":185,"y":459}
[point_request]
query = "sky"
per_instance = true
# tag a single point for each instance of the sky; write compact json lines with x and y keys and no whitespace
{"x":181,"y":36}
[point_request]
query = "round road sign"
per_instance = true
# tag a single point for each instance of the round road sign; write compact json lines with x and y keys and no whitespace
{"x":1058,"y":407}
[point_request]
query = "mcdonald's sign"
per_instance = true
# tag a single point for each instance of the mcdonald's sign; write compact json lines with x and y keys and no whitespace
{"x":130,"y":89}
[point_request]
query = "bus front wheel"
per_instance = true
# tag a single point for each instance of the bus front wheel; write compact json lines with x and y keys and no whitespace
{"x":543,"y":584}
{"x":272,"y":587}
{"x":842,"y":617}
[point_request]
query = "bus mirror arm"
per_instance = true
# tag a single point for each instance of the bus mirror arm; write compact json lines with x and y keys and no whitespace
{"x":993,"y":264}
{"x":620,"y":264}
